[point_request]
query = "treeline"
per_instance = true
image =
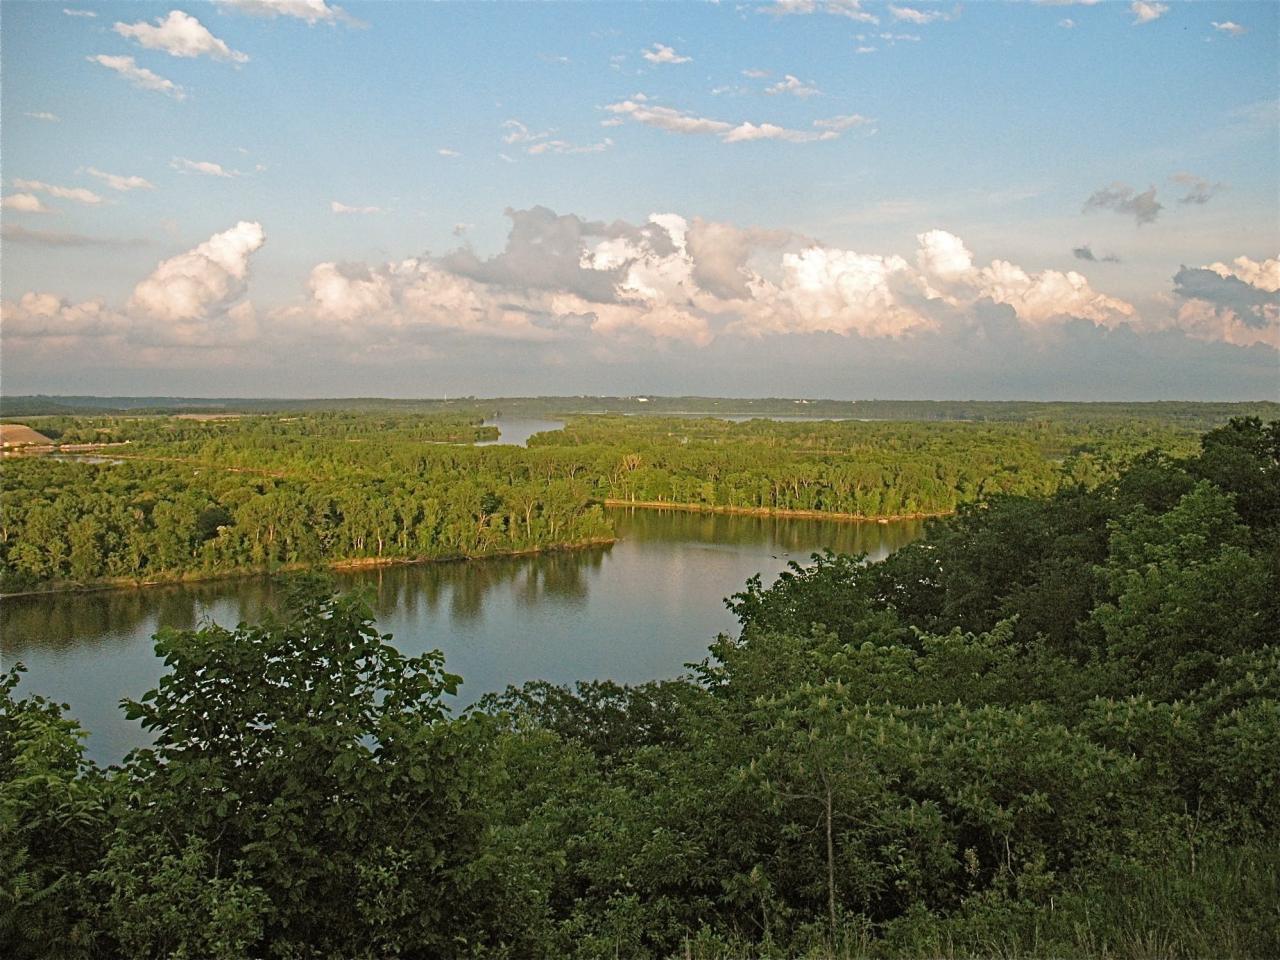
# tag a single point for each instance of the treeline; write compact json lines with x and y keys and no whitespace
{"x":848,"y":467}
{"x":334,"y":425}
{"x":142,"y":520}
{"x":1191,"y":414}
{"x":207,"y":497}
{"x":1048,"y":729}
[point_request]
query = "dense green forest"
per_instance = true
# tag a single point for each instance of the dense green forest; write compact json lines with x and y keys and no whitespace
{"x":142,"y":520}
{"x":1050,"y":728}
{"x":179,"y":496}
{"x":850,"y":467}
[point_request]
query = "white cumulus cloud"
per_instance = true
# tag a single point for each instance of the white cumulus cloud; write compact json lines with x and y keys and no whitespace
{"x":1263,"y":274}
{"x":23,"y":203}
{"x":311,"y":11}
{"x":205,"y":280}
{"x":948,"y":273}
{"x":140,"y":77}
{"x":672,"y":280}
{"x":339,"y":207}
{"x":640,"y":110}
{"x":918,"y":17}
{"x":121,"y":183}
{"x":828,"y":290}
{"x":77,"y":194}
{"x":794,"y":86}
{"x":45,"y":315}
{"x":204,"y":167}
{"x":1144,"y":12}
{"x":1236,"y":302}
{"x":852,"y":9}
{"x":179,"y":35}
{"x":517,"y":132}
{"x":661,"y":53}
{"x":611,"y":288}
{"x":413,"y":293}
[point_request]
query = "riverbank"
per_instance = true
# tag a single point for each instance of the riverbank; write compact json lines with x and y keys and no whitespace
{"x":344,"y":565}
{"x":771,"y":512}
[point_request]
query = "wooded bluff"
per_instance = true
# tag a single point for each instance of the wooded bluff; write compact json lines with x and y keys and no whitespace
{"x":1049,"y":728}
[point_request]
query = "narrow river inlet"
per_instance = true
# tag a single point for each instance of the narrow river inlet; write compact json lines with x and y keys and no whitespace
{"x":636,"y":610}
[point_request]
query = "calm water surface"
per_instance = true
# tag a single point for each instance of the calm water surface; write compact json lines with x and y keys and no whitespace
{"x":516,"y":431}
{"x":636,"y":610}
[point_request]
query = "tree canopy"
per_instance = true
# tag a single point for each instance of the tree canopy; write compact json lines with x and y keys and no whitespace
{"x":1049,"y":728}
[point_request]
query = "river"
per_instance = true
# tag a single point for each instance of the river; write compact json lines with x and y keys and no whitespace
{"x":516,"y":431}
{"x":635,"y":610}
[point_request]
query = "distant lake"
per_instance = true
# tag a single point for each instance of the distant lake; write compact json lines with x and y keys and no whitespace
{"x":780,"y":417}
{"x":516,"y":431}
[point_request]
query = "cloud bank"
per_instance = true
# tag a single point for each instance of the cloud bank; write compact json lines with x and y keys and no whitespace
{"x":192,"y":301}
{"x":596,"y":295}
{"x":1236,"y":302}
{"x":76,"y":194}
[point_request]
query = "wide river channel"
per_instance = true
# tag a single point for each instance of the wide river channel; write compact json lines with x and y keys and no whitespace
{"x":635,"y":610}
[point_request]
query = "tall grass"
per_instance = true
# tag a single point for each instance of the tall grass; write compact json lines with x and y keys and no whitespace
{"x":1224,"y":904}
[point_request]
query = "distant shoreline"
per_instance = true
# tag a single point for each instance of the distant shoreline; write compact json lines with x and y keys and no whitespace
{"x":365,"y":563}
{"x":775,"y":512}
{"x":340,"y":566}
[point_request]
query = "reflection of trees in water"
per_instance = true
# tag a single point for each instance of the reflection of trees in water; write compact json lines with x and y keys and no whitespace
{"x":63,"y":622}
{"x":115,"y":618}
{"x":401,"y":587}
{"x":791,"y":535}
{"x":474,"y":581}
{"x":466,"y":584}
{"x":107,"y":618}
{"x":560,"y":576}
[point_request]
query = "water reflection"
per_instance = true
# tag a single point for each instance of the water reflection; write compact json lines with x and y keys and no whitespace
{"x":63,"y":621}
{"x":635,"y":610}
{"x":796,"y":537}
{"x":464,"y":586}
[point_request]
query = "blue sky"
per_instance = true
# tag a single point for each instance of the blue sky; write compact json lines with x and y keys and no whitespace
{"x":1032,"y":199}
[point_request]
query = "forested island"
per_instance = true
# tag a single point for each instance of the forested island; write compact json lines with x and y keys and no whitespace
{"x":1049,"y":728}
{"x":187,"y":496}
